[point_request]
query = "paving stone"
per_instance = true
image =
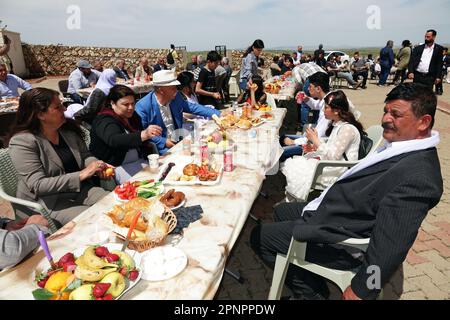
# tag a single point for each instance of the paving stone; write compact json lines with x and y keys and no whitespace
{"x":420,"y":246}
{"x":434,"y":257}
{"x":414,"y":259}
{"x":436,"y":276}
{"x":430,"y":290}
{"x":416,"y":295}
{"x":411,"y":271}
{"x":443,"y":250}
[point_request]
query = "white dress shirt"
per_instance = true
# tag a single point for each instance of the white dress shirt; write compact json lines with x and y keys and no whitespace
{"x":166,"y":115}
{"x":425,"y":60}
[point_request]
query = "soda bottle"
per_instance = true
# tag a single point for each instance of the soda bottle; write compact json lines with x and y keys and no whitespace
{"x":228,"y":161}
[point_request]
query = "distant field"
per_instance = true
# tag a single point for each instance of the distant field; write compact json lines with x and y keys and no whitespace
{"x":363,"y":51}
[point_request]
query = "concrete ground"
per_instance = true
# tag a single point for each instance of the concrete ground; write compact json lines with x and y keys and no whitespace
{"x":426,"y":272}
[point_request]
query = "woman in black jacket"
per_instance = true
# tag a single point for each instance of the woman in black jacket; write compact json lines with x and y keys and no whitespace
{"x":117,"y":134}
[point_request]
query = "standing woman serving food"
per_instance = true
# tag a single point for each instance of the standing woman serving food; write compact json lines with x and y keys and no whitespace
{"x":249,"y":66}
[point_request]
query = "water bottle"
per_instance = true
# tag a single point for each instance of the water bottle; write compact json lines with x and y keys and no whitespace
{"x":234,"y":107}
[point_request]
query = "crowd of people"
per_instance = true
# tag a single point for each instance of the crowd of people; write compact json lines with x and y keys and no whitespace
{"x":57,"y":169}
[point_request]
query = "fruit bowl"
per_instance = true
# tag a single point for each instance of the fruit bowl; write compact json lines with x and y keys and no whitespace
{"x":89,"y":273}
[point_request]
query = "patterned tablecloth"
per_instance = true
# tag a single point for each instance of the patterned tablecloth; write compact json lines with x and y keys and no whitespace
{"x":206,"y":242}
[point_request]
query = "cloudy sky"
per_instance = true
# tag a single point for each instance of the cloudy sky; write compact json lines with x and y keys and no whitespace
{"x":202,"y":24}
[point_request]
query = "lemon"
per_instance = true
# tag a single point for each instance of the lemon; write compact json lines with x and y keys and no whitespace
{"x":57,"y":283}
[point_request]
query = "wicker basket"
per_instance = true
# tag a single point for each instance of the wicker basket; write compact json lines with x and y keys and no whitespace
{"x":170,"y":218}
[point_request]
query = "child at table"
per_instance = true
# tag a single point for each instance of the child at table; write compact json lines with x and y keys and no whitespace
{"x":258,"y":92}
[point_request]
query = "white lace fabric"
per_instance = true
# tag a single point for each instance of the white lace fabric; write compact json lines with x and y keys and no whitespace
{"x":299,"y":171}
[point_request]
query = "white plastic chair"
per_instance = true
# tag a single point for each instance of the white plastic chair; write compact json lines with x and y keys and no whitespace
{"x":296,"y":255}
{"x":374,"y":132}
{"x":8,"y":188}
{"x":233,"y":84}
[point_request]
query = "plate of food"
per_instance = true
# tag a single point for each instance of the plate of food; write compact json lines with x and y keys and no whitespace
{"x":133,"y":189}
{"x":173,"y":199}
{"x":267,"y":116}
{"x":163,"y":263}
{"x":218,"y":141}
{"x":184,"y":171}
{"x":89,"y":273}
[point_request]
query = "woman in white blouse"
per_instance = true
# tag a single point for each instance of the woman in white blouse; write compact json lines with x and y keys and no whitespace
{"x":344,"y":134}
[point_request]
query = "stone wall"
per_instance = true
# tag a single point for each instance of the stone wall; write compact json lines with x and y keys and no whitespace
{"x":42,"y":60}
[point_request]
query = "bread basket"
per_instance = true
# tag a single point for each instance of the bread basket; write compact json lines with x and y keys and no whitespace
{"x":141,"y":245}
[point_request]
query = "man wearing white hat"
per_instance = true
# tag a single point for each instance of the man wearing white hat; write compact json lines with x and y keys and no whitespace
{"x":165,"y":106}
{"x":81,"y":77}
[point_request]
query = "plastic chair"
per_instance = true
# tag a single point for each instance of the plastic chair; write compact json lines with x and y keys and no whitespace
{"x":374,"y":132}
{"x":296,"y":255}
{"x":63,"y":85}
{"x":8,"y":188}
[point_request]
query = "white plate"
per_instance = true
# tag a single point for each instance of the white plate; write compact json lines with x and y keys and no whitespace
{"x":178,"y":169}
{"x":137,"y":257}
{"x":162,"y":263}
{"x":116,"y":197}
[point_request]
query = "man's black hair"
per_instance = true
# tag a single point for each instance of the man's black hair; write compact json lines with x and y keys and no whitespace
{"x":423,"y":100}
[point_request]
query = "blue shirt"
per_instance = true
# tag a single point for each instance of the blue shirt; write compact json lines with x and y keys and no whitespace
{"x":77,"y":80}
{"x":148,"y":109}
{"x":249,"y":66}
{"x":11,"y":84}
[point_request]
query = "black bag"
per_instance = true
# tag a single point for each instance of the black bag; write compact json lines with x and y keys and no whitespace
{"x":364,"y":147}
{"x":170,"y":59}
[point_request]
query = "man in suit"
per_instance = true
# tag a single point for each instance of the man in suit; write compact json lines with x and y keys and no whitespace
{"x":120,"y":70}
{"x":165,"y":106}
{"x":425,"y":65}
{"x":385,"y":198}
{"x":18,"y":238}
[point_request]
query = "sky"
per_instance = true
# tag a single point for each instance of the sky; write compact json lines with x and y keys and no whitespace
{"x":203,"y":24}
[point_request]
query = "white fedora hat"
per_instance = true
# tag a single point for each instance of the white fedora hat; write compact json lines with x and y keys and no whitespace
{"x":165,"y":78}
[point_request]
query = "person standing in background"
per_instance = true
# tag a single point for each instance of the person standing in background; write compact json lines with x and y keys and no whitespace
{"x":387,"y":60}
{"x":426,"y":61}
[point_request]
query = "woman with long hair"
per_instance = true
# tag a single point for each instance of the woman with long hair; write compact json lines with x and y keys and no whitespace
{"x":117,"y":136}
{"x":51,"y":158}
{"x":344,"y":136}
{"x":249,"y":66}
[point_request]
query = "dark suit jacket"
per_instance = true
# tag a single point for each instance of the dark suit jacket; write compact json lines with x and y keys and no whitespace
{"x":386,"y":202}
{"x":435,"y":69}
{"x":121,"y":73}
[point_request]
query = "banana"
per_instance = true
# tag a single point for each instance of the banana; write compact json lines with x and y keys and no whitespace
{"x":92,"y":275}
{"x":92,"y":261}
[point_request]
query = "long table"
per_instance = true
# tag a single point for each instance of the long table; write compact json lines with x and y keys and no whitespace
{"x":206,"y":242}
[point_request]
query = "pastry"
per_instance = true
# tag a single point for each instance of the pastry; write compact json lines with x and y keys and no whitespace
{"x":190,"y":170}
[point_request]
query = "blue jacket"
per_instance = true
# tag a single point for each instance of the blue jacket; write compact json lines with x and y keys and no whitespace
{"x":148,"y":110}
{"x":387,"y":57}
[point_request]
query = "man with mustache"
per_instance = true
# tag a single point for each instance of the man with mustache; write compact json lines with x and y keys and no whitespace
{"x":425,"y":65}
{"x":385,"y":198}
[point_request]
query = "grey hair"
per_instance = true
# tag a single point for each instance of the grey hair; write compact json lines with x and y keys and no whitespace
{"x":118,"y":61}
{"x":225,"y":60}
{"x":200,"y":58}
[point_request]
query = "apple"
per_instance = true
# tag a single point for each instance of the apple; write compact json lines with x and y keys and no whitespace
{"x":125,"y":258}
{"x":82,"y":293}
{"x":117,"y":282}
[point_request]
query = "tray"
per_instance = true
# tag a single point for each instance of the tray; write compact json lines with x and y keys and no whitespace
{"x":180,"y":163}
